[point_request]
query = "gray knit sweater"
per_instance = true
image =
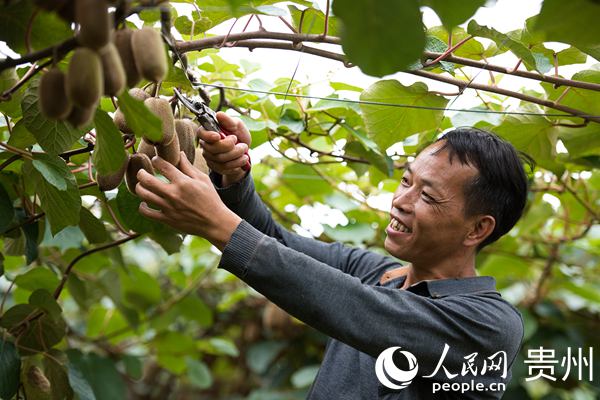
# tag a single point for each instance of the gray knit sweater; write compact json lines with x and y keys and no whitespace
{"x":460,"y":331}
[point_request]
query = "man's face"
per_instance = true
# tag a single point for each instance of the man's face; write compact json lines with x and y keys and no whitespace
{"x":427,"y":217}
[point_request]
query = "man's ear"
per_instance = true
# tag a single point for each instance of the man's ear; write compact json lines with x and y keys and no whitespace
{"x":483,"y":226}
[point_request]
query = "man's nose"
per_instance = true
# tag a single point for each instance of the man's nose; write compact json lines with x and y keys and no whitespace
{"x":404,"y":201}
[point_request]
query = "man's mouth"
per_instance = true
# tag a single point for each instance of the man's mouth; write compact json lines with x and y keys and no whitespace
{"x":399,"y":226}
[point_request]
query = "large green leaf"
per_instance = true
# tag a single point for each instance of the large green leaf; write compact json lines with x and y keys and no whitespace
{"x":581,"y":142}
{"x":381,"y":38}
{"x":140,"y":289}
{"x":93,"y":229}
{"x":54,"y":136}
{"x":109,"y":153}
{"x":47,"y":28}
{"x":8,"y":78}
{"x":100,"y":373}
{"x":387,"y":124}
{"x":61,"y":206}
{"x":533,"y":135}
{"x":53,"y":169}
{"x":198,"y":373}
{"x":304,"y":181}
{"x":37,"y":278}
{"x":139,"y":118}
{"x":535,"y":61}
{"x":313,"y":21}
{"x":574,"y":22}
{"x":454,"y":13}
{"x":10,"y":367}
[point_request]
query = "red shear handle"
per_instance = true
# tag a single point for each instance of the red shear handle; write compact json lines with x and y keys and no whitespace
{"x":224,"y":133}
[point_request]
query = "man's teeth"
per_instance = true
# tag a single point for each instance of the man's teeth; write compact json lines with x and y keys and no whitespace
{"x":398,"y":226}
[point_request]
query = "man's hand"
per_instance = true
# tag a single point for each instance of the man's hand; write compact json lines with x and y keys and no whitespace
{"x":226,"y":156}
{"x":189,"y":202}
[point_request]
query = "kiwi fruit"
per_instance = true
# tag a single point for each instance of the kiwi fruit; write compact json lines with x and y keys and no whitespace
{"x":162,"y":109}
{"x":200,"y":162}
{"x":113,"y":71}
{"x":170,"y":151}
{"x":112,"y":181}
{"x":122,"y":40}
{"x":137,"y":161}
{"x":94,"y":23}
{"x":149,"y":54}
{"x":119,"y":117}
{"x":146,"y":148}
{"x":54,"y":103}
{"x":81,"y":116}
{"x":85,"y":82}
{"x":186,"y":133}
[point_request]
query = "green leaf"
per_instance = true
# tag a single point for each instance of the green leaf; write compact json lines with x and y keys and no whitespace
{"x":40,"y":334}
{"x":219,"y":346}
{"x":7,"y":212}
{"x":345,"y":86}
{"x":8,"y":78}
{"x":109,"y":153}
{"x":581,"y":142}
{"x":47,"y":28}
{"x":42,"y":299}
{"x":261,"y":355}
{"x":305,"y":376}
{"x":387,"y":125}
{"x":53,"y":169}
{"x":573,"y":22}
{"x":351,"y":233}
{"x":504,"y":41}
{"x":169,"y":239}
{"x":10,"y":368}
{"x":193,"y":308}
{"x":313,"y":21}
{"x":80,"y":385}
{"x":100,"y":373}
{"x":20,"y":136}
{"x":454,"y":13}
{"x":54,"y":136}
{"x":470,"y":49}
{"x":570,"y":56}
{"x":580,"y":99}
{"x":304,"y":181}
{"x":370,"y":34}
{"x":139,"y":118}
{"x":61,"y":206}
{"x":198,"y":373}
{"x":93,"y":229}
{"x":140,"y":289}
{"x":37,"y":278}
{"x":533,"y":135}
{"x":128,"y":205}
{"x":57,"y":374}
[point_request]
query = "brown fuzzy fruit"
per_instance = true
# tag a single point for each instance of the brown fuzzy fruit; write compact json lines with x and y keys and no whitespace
{"x":186,"y":133}
{"x":146,"y":148}
{"x":162,"y":109}
{"x":170,"y":151}
{"x":137,"y":161}
{"x":122,"y":40}
{"x":112,"y":69}
{"x":112,"y":181}
{"x":85,"y":82}
{"x":149,"y":54}
{"x":200,"y":162}
{"x":119,"y":118}
{"x":54,"y":103}
{"x":81,"y":116}
{"x":94,"y":23}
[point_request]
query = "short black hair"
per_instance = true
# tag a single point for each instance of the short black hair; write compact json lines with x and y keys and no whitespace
{"x":500,"y":187}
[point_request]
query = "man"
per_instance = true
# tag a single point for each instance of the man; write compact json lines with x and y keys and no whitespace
{"x":459,"y":194}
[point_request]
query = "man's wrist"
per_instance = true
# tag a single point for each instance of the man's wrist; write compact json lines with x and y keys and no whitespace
{"x":221,"y":233}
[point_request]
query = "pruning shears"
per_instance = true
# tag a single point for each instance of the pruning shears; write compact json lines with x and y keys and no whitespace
{"x":207,"y":119}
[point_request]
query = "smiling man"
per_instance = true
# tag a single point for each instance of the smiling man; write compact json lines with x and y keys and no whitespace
{"x":458,"y":336}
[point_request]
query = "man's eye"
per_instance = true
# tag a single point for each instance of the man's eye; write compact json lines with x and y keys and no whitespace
{"x":404,"y":181}
{"x":428,"y":198}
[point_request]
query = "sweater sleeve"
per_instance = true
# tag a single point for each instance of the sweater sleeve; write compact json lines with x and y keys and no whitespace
{"x":370,"y":318}
{"x":242,"y":199}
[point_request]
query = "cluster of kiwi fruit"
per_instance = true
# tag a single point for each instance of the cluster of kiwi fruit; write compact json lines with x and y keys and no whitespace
{"x":105,"y":63}
{"x":179,"y":135}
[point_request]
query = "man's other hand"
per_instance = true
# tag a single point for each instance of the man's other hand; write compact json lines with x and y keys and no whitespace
{"x":188,"y":202}
{"x":226,"y":156}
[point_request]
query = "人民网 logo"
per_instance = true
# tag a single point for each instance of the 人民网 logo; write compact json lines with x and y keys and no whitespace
{"x":389,"y":374}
